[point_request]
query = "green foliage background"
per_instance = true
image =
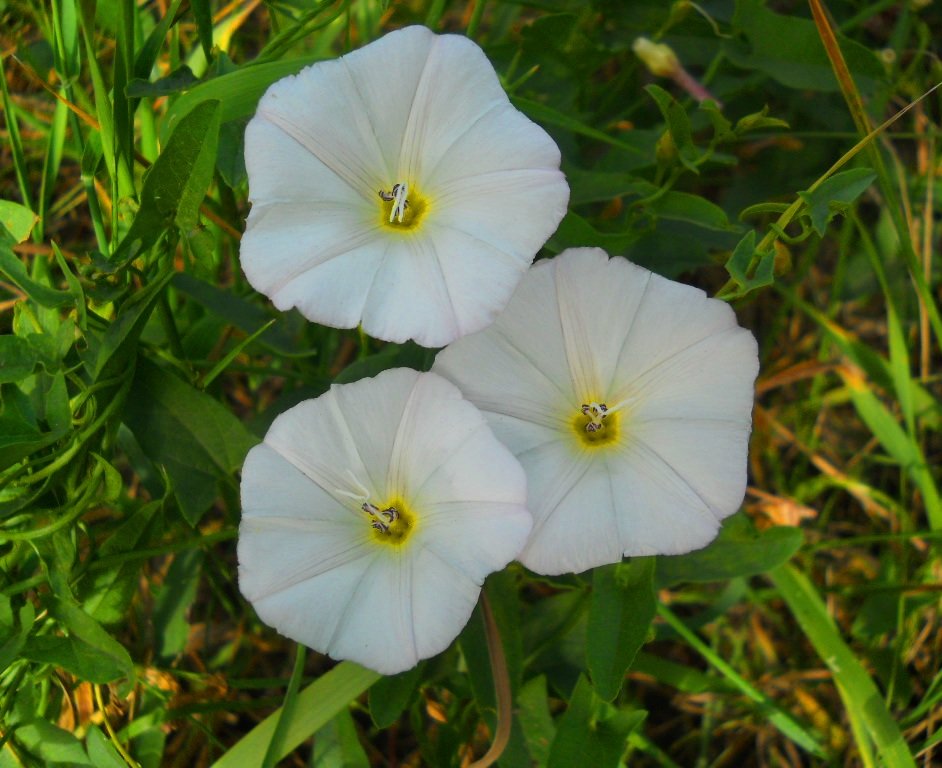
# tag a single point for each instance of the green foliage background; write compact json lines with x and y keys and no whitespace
{"x":137,"y":368}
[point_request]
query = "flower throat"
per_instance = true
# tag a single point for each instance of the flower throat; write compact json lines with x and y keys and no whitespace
{"x":392,"y":524}
{"x":401,"y":207}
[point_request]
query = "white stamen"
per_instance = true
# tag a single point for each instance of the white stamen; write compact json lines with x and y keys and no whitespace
{"x":380,"y":520}
{"x":596,"y":412}
{"x":359,"y":492}
{"x":400,"y":202}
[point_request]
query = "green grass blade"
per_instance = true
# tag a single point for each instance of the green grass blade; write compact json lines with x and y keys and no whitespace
{"x":232,"y":355}
{"x":54,"y":146}
{"x":902,"y":447}
{"x":286,"y":713}
{"x":16,"y":142}
{"x":857,"y":689}
{"x":887,"y":185}
{"x":775,"y":714}
{"x":315,"y":706}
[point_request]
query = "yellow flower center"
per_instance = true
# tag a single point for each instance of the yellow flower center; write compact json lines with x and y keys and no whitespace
{"x":401,"y":208}
{"x":595,"y":425}
{"x":391,"y":523}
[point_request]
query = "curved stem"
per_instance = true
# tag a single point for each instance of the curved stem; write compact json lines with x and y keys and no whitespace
{"x":495,"y":651}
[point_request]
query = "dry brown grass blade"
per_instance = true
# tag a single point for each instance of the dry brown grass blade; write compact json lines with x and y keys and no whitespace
{"x":844,"y":78}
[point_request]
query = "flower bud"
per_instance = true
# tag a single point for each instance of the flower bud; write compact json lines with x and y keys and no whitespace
{"x":660,"y":59}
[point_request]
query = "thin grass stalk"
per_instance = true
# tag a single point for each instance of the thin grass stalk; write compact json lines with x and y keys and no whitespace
{"x":504,"y":695}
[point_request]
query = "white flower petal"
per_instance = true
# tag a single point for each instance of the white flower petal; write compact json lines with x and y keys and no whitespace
{"x":438,"y":117}
{"x":315,"y":110}
{"x":476,"y":537}
{"x":577,"y":526}
{"x":313,"y":437}
{"x":672,"y":317}
{"x":677,"y":375}
{"x":519,"y":362}
{"x":285,"y":241}
{"x":374,"y":423}
{"x":409,"y":296}
{"x":273,"y":486}
{"x":513,"y":211}
{"x":510,"y":140}
{"x":598,"y":300}
{"x":335,"y":292}
{"x":475,"y":281}
{"x":413,"y":109}
{"x":309,"y":611}
{"x":287,"y":172}
{"x":311,"y":558}
{"x":659,"y":511}
{"x":711,"y":379}
{"x":377,"y":628}
{"x":386,"y":77}
{"x":709,"y":454}
{"x":442,"y":599}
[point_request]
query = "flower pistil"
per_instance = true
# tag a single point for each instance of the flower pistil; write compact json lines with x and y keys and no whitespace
{"x":391,"y":524}
{"x":401,"y":208}
{"x":596,"y":424}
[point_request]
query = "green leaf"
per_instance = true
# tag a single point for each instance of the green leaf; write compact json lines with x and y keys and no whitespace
{"x":87,"y":651}
{"x":757,"y":121}
{"x":315,"y":706}
{"x":591,"y":732}
{"x":19,"y":438}
{"x":14,"y":270}
{"x":51,"y":744}
{"x":738,"y":550}
{"x":835,"y":195}
{"x":502,"y":591}
{"x":738,"y":265}
{"x":244,"y":315}
{"x":101,"y":752}
{"x":172,"y":604}
{"x":683,"y":206}
{"x":190,"y":433}
{"x":176,"y":184}
{"x":113,"y":353}
{"x":390,"y":695}
{"x":789,"y":50}
{"x":902,"y":446}
{"x":204,"y":25}
{"x":602,"y":186}
{"x":147,"y":55}
{"x":679,"y":676}
{"x":108,"y":592}
{"x":678,"y":124}
{"x":17,"y":219}
{"x":621,"y":611}
{"x":535,"y":719}
{"x":368,"y":366}
{"x":722,"y":128}
{"x":17,"y":359}
{"x":10,"y":648}
{"x":180,"y":79}
{"x":337,"y":745}
{"x":575,"y":232}
{"x":768,"y":708}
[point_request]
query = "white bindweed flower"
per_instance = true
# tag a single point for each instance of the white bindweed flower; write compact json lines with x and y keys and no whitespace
{"x":627,"y":397}
{"x":371,"y":516}
{"x":397,"y":187}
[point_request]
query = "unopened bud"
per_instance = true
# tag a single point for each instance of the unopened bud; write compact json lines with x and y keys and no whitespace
{"x":660,"y":59}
